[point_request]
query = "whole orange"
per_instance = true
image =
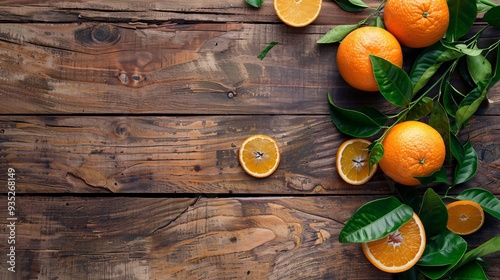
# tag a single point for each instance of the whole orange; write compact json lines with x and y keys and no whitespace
{"x":353,"y":61}
{"x":412,"y":148}
{"x":417,"y":23}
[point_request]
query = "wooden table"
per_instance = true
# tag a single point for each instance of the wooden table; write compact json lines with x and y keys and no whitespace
{"x":122,"y":121}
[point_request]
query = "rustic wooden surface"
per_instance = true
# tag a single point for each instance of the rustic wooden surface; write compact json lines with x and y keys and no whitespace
{"x":123,"y":120}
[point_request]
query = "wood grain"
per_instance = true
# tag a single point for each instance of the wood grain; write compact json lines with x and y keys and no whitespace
{"x":206,"y":68}
{"x":194,"y":238}
{"x":193,"y":154}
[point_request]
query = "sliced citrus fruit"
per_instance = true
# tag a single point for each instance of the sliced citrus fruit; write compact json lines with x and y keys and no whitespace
{"x":297,"y":13}
{"x":259,"y":155}
{"x":400,"y":250}
{"x":352,"y":161}
{"x":464,"y":217}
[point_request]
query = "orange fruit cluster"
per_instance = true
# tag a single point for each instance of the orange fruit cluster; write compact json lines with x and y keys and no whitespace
{"x":412,"y":23}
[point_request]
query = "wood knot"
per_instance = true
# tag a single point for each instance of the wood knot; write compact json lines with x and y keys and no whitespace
{"x":122,"y":130}
{"x":102,"y":35}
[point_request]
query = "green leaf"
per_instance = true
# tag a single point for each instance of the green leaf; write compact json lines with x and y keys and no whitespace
{"x":255,"y":3}
{"x":460,"y":21}
{"x":438,"y":176}
{"x":489,"y":247}
{"x":433,"y":214}
{"x":353,"y":122}
{"x":492,"y":16}
{"x":352,"y":5}
{"x":463,"y":48}
{"x":266,"y":50}
{"x":471,"y":271}
{"x":440,"y":122}
{"x":374,"y":114}
{"x":496,"y":75}
{"x":376,"y":152}
{"x":445,"y":250}
{"x":467,"y":166}
{"x":479,"y":68}
{"x":451,"y":53}
{"x":375,"y":220}
{"x":337,"y":33}
{"x":451,"y":98}
{"x":378,"y":22}
{"x":456,"y":148}
{"x":486,"y":199}
{"x":468,"y":106}
{"x":422,"y":108}
{"x":425,"y":66}
{"x":408,"y":196}
{"x":393,"y":82}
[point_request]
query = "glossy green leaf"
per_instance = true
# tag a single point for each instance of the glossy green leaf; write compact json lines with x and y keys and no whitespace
{"x":393,"y":82}
{"x":479,"y":68}
{"x":337,"y":33}
{"x":486,"y":199}
{"x":408,"y":196}
{"x":496,"y":75}
{"x":433,"y":214}
{"x":466,"y":168}
{"x":425,"y":66}
{"x":440,"y":122}
{"x":460,"y":21}
{"x":266,"y":50}
{"x":353,"y":122}
{"x":376,"y":152}
{"x":463,"y":48}
{"x":375,"y":220}
{"x":456,"y":148}
{"x":450,"y":102}
{"x":255,"y":3}
{"x":445,"y":250}
{"x":468,"y":106}
{"x":471,"y":271}
{"x":374,"y":114}
{"x":489,"y":247}
{"x":451,"y":53}
{"x":378,"y":22}
{"x":492,"y":16}
{"x":352,"y":5}
{"x":422,"y":108}
{"x":438,"y":176}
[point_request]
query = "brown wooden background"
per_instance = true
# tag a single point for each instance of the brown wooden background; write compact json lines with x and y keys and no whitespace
{"x":123,"y":120}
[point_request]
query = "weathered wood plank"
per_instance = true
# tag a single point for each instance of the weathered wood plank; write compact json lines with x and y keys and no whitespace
{"x":166,"y":11}
{"x":189,"y":238}
{"x":96,"y":68}
{"x":58,"y":154}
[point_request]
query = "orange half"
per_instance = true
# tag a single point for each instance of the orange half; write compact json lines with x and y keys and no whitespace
{"x":464,"y":217}
{"x":352,"y":161}
{"x":400,"y":250}
{"x":297,"y":13}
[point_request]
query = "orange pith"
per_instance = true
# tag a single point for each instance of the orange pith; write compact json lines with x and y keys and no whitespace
{"x":352,"y":161}
{"x":297,"y":13}
{"x":464,"y":217}
{"x":353,"y":61}
{"x":400,"y":250}
{"x":412,"y":149}
{"x":259,"y":155}
{"x":417,"y":23}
